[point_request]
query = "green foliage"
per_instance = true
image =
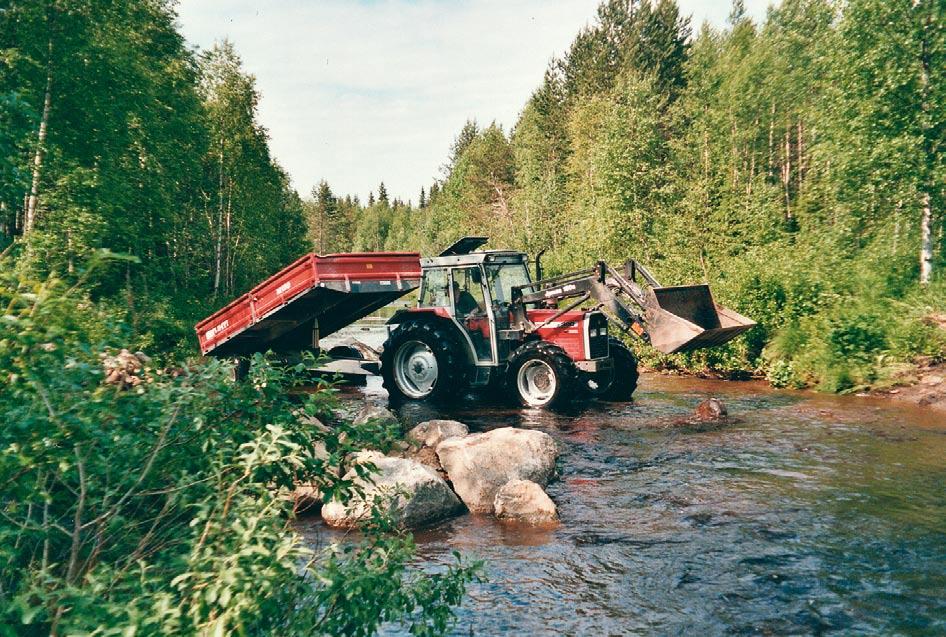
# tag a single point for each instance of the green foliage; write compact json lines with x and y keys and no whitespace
{"x":163,"y":508}
{"x":783,"y":163}
{"x":149,"y":149}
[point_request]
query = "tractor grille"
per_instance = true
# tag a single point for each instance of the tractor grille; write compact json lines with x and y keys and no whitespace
{"x":597,"y":326}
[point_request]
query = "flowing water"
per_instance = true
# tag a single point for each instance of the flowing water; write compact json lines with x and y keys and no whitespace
{"x":801,"y":514}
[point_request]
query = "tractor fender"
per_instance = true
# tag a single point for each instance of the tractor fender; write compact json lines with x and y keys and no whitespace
{"x":410,"y":314}
{"x":434,"y":315}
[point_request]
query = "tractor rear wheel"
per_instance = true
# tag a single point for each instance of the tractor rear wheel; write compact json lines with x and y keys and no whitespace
{"x":422,"y":360}
{"x":541,"y":374}
{"x":618,"y":383}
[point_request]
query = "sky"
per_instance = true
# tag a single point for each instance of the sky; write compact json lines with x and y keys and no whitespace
{"x":356,"y":92}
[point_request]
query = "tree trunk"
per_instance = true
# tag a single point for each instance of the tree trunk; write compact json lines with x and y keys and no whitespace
{"x":926,"y":241}
{"x":896,"y":227}
{"x":219,"y":249}
{"x":33,"y":200}
{"x":787,"y":173}
{"x":799,"y":161}
{"x":229,"y":244}
{"x":926,"y":123}
{"x":772,"y":141}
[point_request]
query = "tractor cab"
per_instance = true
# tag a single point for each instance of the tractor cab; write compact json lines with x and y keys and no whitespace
{"x":474,"y":290}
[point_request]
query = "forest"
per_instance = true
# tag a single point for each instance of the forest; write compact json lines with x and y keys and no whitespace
{"x":796,"y":164}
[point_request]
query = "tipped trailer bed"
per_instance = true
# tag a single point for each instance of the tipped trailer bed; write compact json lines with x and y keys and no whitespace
{"x":311,"y":298}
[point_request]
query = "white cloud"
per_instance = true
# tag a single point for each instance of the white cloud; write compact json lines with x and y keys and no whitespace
{"x":356,"y":92}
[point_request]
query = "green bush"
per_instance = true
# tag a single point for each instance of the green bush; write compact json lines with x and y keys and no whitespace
{"x":162,"y":508}
{"x":857,"y":337}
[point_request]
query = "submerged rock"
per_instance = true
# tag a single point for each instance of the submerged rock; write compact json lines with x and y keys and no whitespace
{"x":411,"y":493}
{"x":432,"y":432}
{"x":524,"y":501}
{"x":711,"y":409}
{"x":478,"y":465}
{"x":377,"y":413}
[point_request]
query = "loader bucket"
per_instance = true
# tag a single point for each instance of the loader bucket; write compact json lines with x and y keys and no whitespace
{"x":685,"y":318}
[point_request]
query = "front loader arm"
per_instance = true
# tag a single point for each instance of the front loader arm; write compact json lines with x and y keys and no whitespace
{"x":601,"y":283}
{"x":672,"y":319}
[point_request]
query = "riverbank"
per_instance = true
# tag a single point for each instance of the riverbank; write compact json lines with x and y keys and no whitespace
{"x":923,"y":385}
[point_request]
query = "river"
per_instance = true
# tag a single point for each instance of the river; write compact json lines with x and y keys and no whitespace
{"x":801,"y":514}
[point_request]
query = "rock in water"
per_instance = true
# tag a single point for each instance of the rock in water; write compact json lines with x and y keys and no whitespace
{"x":375,"y":413}
{"x":711,"y":409}
{"x":480,"y":464}
{"x":432,"y":432}
{"x":412,"y":494}
{"x":305,"y":497}
{"x":524,"y":501}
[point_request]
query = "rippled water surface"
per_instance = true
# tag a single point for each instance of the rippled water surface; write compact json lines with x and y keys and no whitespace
{"x":800,"y":515}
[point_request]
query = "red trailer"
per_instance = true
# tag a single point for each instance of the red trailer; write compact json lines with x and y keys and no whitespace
{"x":308,"y":300}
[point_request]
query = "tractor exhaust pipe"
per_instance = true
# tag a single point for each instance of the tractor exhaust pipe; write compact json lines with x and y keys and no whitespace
{"x":538,"y":264}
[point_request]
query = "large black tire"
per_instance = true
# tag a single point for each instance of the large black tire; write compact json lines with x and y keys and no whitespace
{"x":618,"y":383}
{"x":452,"y":369}
{"x":540,"y":374}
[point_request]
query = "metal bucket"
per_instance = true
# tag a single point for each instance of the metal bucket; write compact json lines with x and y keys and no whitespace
{"x":684,"y":318}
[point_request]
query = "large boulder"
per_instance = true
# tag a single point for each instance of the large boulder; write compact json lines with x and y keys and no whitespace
{"x":524,"y":501}
{"x":423,"y":455}
{"x":432,"y":432}
{"x":480,"y":464}
{"x":412,"y":494}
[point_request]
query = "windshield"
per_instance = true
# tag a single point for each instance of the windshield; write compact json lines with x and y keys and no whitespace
{"x":503,"y":277}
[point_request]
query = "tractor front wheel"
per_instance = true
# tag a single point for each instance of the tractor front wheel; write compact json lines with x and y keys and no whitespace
{"x":541,"y":374}
{"x":618,"y":383}
{"x":424,"y":361}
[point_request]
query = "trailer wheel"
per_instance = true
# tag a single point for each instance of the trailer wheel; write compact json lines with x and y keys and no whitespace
{"x":541,"y":374}
{"x":422,"y":360}
{"x":618,"y":383}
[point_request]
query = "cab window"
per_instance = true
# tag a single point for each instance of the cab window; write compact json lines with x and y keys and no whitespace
{"x":436,"y":290}
{"x":468,"y":291}
{"x":504,"y":277}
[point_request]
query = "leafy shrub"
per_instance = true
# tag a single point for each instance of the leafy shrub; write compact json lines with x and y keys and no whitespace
{"x":780,"y":373}
{"x":163,"y":509}
{"x":856,"y":337}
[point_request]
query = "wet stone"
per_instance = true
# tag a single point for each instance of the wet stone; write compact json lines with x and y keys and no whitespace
{"x":432,"y":432}
{"x":375,"y":413}
{"x":524,"y":501}
{"x":711,"y":409}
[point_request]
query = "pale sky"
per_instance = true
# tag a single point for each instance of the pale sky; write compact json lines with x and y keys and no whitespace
{"x":360,"y":91}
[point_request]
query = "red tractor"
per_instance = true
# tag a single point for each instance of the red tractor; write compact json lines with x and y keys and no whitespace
{"x":481,"y":321}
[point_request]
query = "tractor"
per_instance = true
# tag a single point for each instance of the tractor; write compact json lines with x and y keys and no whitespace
{"x":481,"y":321}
